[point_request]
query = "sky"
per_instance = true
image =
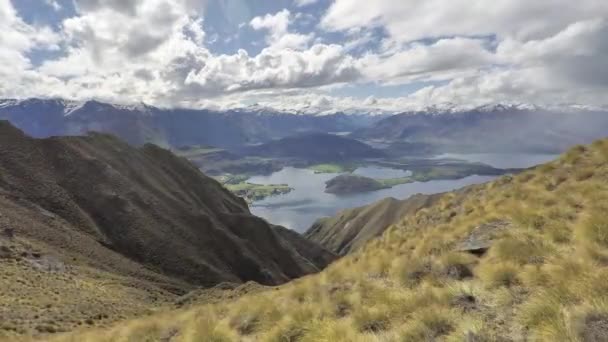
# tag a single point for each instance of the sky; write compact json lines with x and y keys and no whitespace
{"x":314,"y":55}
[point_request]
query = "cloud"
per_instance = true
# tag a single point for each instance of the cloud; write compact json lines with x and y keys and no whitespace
{"x":410,"y":20}
{"x":438,"y":61}
{"x":158,"y":56}
{"x":278,"y":36}
{"x":303,"y":3}
{"x":542,"y":52}
{"x":18,"y":39}
{"x":271,"y":69}
{"x":275,"y":23}
{"x":545,"y":51}
{"x":568,"y":67}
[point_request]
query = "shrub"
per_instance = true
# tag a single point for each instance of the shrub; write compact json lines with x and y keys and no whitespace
{"x":540,"y":310}
{"x":499,"y":274}
{"x":374,"y":319}
{"x":595,"y":229}
{"x":457,"y":265}
{"x":410,"y":272}
{"x":330,"y":331}
{"x":245,"y":323}
{"x":428,"y":324}
{"x":287,"y":330}
{"x":520,"y":249}
{"x":584,"y":174}
{"x":206,"y":327}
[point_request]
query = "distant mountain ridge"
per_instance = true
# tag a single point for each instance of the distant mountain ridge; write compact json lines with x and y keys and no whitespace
{"x":441,"y":128}
{"x":317,"y":147}
{"x":140,"y":124}
{"x":492,"y":129}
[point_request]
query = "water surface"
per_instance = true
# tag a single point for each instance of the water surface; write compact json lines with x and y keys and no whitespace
{"x":308,"y":201}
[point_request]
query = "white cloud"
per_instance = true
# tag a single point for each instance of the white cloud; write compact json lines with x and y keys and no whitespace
{"x":441,"y":60}
{"x":271,"y":69}
{"x":278,"y":35}
{"x":302,"y":3}
{"x":277,"y":24}
{"x":157,"y":55}
{"x":545,"y":51}
{"x":16,"y":41}
{"x":409,"y":20}
{"x":568,"y":67}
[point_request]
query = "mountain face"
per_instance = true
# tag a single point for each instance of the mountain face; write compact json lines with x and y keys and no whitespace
{"x":351,"y":229}
{"x":148,"y":205}
{"x":168,"y":127}
{"x":492,"y":129}
{"x":93,"y":216}
{"x":316,"y":147}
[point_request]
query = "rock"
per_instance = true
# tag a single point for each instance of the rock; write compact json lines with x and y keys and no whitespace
{"x":594,"y":328}
{"x":48,"y":264}
{"x":482,"y":237}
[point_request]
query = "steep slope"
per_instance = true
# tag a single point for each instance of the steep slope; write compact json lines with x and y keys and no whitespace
{"x":316,"y":147}
{"x":492,"y":129}
{"x":90,"y":210}
{"x":351,"y":229}
{"x":522,"y":258}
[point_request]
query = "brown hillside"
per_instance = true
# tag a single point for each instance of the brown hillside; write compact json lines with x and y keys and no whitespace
{"x":93,"y":229}
{"x":353,"y":228}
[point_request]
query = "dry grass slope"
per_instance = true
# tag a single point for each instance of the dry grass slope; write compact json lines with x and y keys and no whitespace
{"x":522,"y":258}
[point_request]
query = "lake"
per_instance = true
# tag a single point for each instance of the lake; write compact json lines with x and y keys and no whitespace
{"x":308,"y":201}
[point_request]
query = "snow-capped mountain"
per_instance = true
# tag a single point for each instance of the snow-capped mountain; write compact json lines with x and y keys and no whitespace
{"x":447,"y":126}
{"x":142,"y":123}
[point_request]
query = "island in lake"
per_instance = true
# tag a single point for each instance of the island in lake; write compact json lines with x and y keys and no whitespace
{"x":352,"y":184}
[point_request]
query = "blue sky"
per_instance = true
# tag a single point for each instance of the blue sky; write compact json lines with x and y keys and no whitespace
{"x":306,"y":55}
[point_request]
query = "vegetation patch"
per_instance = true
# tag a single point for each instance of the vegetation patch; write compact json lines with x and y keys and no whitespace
{"x":257,"y":192}
{"x":334,"y":167}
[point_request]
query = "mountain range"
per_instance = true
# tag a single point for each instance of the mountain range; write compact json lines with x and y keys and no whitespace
{"x":169,"y":127}
{"x":490,"y":129}
{"x":318,"y":147}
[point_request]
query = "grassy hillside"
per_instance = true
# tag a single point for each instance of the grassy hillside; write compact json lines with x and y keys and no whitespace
{"x":93,"y":230}
{"x":520,"y":258}
{"x":351,"y":229}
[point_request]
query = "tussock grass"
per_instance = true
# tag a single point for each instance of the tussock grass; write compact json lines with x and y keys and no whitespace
{"x":499,"y":274}
{"x":428,"y":324}
{"x":543,"y":277}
